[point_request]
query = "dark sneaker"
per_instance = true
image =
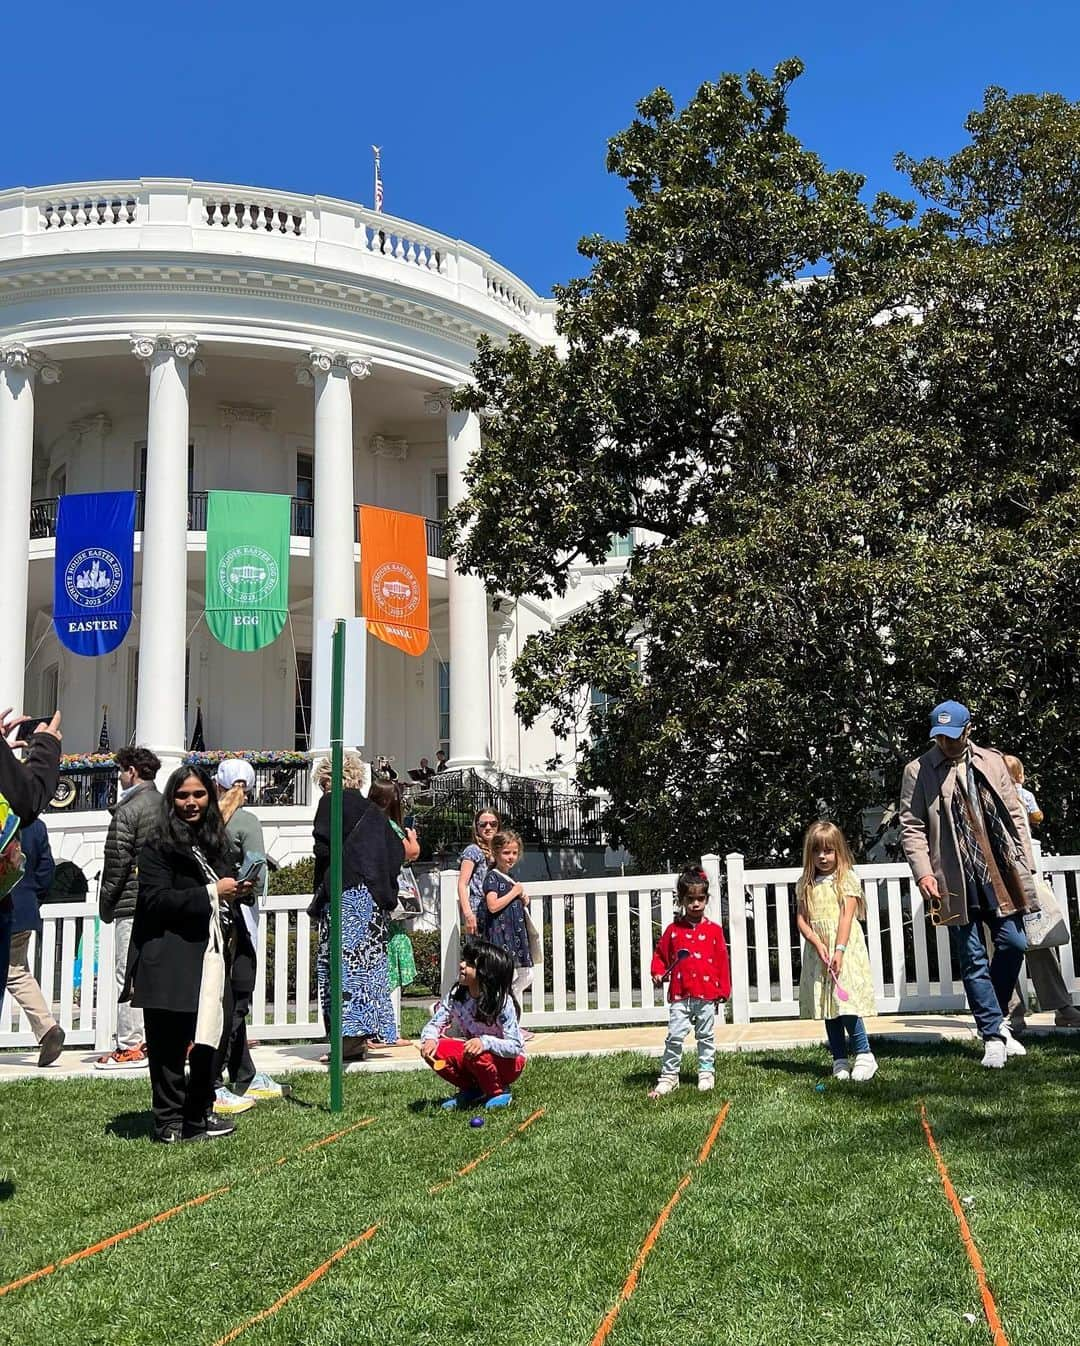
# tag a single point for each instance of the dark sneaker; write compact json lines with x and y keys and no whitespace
{"x":51,"y":1045}
{"x":463,"y":1100}
{"x":213,"y":1129}
{"x":170,"y":1136}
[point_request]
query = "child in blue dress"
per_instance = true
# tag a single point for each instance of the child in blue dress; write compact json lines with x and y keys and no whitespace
{"x":505,"y":901}
{"x":488,"y":1056}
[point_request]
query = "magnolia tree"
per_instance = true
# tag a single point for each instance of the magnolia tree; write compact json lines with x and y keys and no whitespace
{"x":847,"y":437}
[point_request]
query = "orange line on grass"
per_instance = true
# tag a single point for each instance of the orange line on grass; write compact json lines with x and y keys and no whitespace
{"x":989,"y":1307}
{"x":486,"y":1154}
{"x":631,"y":1282}
{"x":299,"y":1288}
{"x":91,"y":1249}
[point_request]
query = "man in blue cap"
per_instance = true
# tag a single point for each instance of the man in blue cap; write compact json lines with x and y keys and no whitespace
{"x":963,"y":830}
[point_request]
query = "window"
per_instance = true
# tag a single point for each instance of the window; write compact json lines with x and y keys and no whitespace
{"x":444,"y":707}
{"x":50,"y":690}
{"x":302,"y":700}
{"x":305,"y":476}
{"x":133,"y":693}
{"x":442,"y":496}
{"x":140,"y":451}
{"x":600,"y":702}
{"x":622,"y":545}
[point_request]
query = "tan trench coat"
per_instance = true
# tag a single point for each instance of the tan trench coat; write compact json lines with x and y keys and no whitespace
{"x":928,"y":835}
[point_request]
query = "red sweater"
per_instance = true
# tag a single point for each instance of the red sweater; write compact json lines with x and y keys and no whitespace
{"x":705,"y":975}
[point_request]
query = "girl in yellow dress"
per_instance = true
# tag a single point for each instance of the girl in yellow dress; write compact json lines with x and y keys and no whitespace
{"x":830,"y":897}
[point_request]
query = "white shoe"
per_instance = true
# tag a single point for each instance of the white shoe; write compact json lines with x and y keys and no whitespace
{"x":666,"y":1084}
{"x":841,"y":1069}
{"x":706,"y":1081}
{"x":865,"y":1067}
{"x":1012,"y":1047}
{"x":995,"y":1055}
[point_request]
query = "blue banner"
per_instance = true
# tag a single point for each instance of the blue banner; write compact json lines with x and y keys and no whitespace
{"x":95,"y":562}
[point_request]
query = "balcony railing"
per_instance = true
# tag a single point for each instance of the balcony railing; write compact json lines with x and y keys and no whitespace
{"x":43,"y":519}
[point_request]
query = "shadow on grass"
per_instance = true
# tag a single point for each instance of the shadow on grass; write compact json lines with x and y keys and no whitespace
{"x":131,"y":1125}
{"x":820,"y":1068}
{"x":7,"y":1189}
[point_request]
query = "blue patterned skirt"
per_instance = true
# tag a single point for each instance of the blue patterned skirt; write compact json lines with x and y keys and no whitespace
{"x":366,"y":1009}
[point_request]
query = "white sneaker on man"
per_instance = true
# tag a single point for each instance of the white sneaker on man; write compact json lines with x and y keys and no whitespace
{"x":1012,"y":1046}
{"x":995,"y":1054}
{"x":841,"y":1069}
{"x":865,"y":1067}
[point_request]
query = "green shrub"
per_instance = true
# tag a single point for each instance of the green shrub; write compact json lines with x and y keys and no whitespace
{"x":297,"y":878}
{"x":428,"y":955}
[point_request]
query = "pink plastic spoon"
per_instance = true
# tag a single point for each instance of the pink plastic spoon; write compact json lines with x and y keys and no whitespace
{"x":841,"y":994}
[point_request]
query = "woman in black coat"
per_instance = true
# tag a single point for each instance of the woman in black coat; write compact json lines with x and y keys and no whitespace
{"x":372,"y":856}
{"x":184,"y":872}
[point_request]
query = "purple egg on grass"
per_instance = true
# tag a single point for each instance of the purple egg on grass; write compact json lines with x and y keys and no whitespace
{"x":476,"y":1121}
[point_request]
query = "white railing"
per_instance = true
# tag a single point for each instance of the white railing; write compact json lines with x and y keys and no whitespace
{"x":598,"y":937}
{"x":176,"y":214}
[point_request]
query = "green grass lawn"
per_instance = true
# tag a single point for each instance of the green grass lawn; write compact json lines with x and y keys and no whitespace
{"x":819,"y":1217}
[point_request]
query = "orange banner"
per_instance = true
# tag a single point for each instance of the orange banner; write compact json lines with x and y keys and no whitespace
{"x":393,"y":577}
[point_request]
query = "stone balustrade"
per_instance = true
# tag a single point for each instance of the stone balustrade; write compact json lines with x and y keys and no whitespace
{"x":174,"y":216}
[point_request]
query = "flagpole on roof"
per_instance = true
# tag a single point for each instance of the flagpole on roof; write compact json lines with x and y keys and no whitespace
{"x":377,"y":151}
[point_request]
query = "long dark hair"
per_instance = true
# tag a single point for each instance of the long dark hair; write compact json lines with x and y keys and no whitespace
{"x":209,"y":834}
{"x":385,"y":795}
{"x":494,"y":972}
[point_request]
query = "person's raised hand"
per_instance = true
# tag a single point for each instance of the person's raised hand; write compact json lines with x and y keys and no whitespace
{"x":53,"y":727}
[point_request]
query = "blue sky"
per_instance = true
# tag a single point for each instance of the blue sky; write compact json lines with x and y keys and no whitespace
{"x":493,"y":117}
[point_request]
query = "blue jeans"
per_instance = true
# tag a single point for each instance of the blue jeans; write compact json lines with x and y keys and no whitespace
{"x":701,"y":1015}
{"x":989,"y":982}
{"x":6,"y":922}
{"x":846,"y":1026}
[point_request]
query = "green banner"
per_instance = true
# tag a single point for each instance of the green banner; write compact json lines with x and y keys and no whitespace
{"x":247,"y":567}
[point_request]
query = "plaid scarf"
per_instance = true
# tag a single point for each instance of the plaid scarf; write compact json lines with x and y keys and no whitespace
{"x":983,"y":803}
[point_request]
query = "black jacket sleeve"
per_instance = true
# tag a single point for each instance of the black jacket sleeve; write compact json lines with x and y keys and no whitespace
{"x":119,"y":858}
{"x":373,"y":856}
{"x":28,"y":786}
{"x":159,"y":899}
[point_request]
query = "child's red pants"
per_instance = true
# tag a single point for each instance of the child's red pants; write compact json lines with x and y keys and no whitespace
{"x":487,"y":1073}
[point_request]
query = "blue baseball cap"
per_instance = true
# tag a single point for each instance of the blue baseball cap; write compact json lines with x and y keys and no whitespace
{"x":949,"y":720}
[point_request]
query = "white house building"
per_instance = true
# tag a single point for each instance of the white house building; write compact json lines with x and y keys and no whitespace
{"x":176,"y":337}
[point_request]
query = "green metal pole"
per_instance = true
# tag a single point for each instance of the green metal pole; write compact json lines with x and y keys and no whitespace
{"x":337,"y":715}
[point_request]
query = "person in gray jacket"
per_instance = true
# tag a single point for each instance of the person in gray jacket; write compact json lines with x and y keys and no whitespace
{"x":965,"y":836}
{"x":135,"y":815}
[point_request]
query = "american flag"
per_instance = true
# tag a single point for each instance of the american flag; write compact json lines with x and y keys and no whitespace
{"x":378,"y":178}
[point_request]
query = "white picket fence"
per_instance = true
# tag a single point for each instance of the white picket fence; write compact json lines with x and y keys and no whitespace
{"x":598,"y":936}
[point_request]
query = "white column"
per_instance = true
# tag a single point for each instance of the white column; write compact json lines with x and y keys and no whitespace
{"x":470,"y":690}
{"x":159,"y":715}
{"x":333,"y":534}
{"x":17,"y":370}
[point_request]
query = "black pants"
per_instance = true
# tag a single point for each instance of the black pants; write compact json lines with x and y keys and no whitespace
{"x":180,"y":1102}
{"x":234,"y":1056}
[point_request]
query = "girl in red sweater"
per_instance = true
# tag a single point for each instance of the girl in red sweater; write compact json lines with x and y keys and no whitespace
{"x":693,"y":952}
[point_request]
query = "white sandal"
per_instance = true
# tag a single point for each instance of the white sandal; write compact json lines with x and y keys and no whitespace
{"x":666,"y":1084}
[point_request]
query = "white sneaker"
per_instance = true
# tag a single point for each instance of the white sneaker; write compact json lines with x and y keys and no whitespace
{"x":841,"y":1069}
{"x":706,"y":1081}
{"x":1012,"y":1047}
{"x":666,"y":1084}
{"x":865,"y":1067}
{"x":995,"y":1055}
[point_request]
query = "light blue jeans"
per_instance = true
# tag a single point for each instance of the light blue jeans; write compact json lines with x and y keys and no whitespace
{"x":699,"y":1014}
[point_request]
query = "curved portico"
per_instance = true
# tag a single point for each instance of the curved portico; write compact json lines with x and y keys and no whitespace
{"x":280,"y":343}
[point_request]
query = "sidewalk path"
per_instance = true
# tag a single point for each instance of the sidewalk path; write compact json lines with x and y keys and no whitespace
{"x":763,"y":1035}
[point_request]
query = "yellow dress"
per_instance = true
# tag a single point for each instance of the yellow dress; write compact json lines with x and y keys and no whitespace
{"x":817,"y":995}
